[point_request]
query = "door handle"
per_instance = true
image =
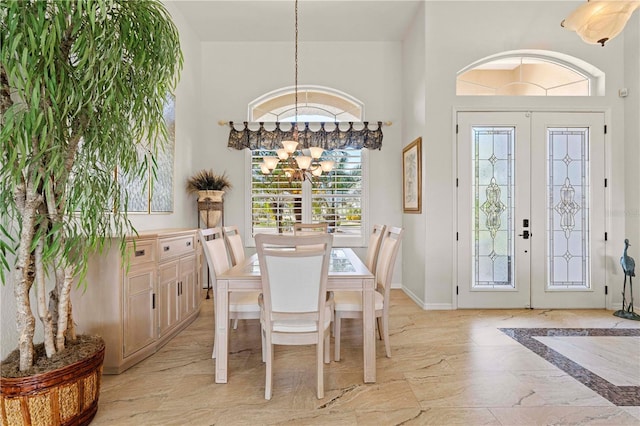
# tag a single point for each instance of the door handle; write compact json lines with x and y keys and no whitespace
{"x":525,"y":235}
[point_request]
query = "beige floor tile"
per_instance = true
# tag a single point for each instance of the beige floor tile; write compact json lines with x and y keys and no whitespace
{"x":613,"y":416}
{"x":447,"y":368}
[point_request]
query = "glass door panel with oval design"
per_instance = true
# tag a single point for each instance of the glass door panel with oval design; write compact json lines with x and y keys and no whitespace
{"x":570,"y":258}
{"x":513,"y":188}
{"x":493,"y":196}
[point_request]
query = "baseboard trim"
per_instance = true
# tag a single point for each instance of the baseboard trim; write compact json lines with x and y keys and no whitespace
{"x":439,"y":307}
{"x":427,"y":306}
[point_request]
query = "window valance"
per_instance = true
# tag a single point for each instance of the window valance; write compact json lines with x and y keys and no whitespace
{"x":329,"y":136}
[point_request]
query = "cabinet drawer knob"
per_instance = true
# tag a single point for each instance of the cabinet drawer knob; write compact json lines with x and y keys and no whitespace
{"x":166,"y":248}
{"x":188,"y":243}
{"x":139,"y":253}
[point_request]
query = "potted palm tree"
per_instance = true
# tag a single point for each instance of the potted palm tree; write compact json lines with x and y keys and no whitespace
{"x":82,"y":88}
{"x":210,"y":187}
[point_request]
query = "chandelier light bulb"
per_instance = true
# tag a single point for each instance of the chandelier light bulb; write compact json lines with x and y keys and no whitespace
{"x":290,"y":146}
{"x":304,"y":162}
{"x":282,"y":154}
{"x":271,"y":162}
{"x":327,"y":166}
{"x":316,"y":152}
{"x":264,"y":169}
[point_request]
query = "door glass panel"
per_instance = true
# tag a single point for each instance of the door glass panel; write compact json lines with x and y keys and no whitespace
{"x":568,"y":208}
{"x":493,"y":207}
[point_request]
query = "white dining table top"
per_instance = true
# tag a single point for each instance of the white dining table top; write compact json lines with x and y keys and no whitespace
{"x":344,"y":263}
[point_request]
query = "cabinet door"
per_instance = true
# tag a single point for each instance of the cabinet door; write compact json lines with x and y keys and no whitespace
{"x":139,"y":325}
{"x":188,"y":301}
{"x":168,"y":289}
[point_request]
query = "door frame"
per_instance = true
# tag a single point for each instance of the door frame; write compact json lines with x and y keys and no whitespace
{"x":454,"y":173}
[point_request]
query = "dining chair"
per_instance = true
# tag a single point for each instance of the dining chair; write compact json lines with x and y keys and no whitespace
{"x":236,"y":251}
{"x":375,"y":239}
{"x":348,"y":304}
{"x":296,"y":309}
{"x":234,"y":242}
{"x":242,"y":305}
{"x":206,"y":234}
{"x":310,"y":228}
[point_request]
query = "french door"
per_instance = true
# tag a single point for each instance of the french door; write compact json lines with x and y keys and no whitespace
{"x":531,"y":210}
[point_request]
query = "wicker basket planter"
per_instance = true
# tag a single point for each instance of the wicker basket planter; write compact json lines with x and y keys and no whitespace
{"x":66,"y":396}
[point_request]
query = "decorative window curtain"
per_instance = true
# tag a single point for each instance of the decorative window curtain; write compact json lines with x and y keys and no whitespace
{"x":338,"y":137}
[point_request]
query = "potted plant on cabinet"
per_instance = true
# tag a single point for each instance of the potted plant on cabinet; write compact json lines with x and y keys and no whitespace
{"x":210,"y":187}
{"x":82,"y":88}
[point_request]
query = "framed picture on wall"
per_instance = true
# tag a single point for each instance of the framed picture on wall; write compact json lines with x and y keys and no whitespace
{"x":412,"y":177}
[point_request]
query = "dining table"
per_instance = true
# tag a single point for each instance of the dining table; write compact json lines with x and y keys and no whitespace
{"x":346,"y":273}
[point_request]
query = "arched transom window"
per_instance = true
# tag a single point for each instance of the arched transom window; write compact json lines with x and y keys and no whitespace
{"x":315,"y":103}
{"x":530,"y":73}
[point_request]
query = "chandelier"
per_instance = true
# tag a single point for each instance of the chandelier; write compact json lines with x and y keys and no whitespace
{"x":297,"y":164}
{"x":598,"y":21}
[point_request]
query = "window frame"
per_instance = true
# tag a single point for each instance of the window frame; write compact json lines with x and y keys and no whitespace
{"x":339,"y":239}
{"x":352,"y":110}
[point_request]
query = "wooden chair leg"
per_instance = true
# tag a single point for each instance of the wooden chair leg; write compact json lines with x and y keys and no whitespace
{"x":327,"y":348}
{"x":385,"y":333}
{"x":320,"y":367}
{"x":213,"y":353}
{"x":264,"y":344}
{"x":269,"y":373}
{"x":336,"y":336}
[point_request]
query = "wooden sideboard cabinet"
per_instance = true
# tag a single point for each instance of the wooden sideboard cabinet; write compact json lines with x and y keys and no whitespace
{"x":139,"y":303}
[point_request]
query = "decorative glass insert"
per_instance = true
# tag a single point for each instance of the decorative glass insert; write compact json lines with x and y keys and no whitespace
{"x":493,"y":247}
{"x":568,"y":208}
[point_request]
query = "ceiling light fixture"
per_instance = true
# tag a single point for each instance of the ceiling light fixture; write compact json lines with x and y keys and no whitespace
{"x":307,"y":163}
{"x":598,"y":21}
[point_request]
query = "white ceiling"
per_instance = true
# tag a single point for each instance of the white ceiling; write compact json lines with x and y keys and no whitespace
{"x":273,"y":20}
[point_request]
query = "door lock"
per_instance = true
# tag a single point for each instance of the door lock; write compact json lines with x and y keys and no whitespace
{"x":525,"y":235}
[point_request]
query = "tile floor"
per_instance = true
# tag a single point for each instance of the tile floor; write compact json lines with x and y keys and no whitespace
{"x":447,"y":368}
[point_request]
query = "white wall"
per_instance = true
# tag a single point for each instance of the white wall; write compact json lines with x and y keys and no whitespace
{"x":631,"y":212}
{"x":413,"y":126}
{"x":235,"y":73}
{"x":459,"y":33}
{"x":187,"y":139}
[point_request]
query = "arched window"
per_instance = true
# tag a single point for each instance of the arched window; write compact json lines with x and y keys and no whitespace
{"x":336,"y":198}
{"x":530,"y":73}
{"x":315,"y":103}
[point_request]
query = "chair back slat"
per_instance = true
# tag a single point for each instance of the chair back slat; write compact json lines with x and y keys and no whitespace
{"x":215,"y":251}
{"x":387,"y":257}
{"x":310,"y":228}
{"x":234,"y":241}
{"x":373,"y":251}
